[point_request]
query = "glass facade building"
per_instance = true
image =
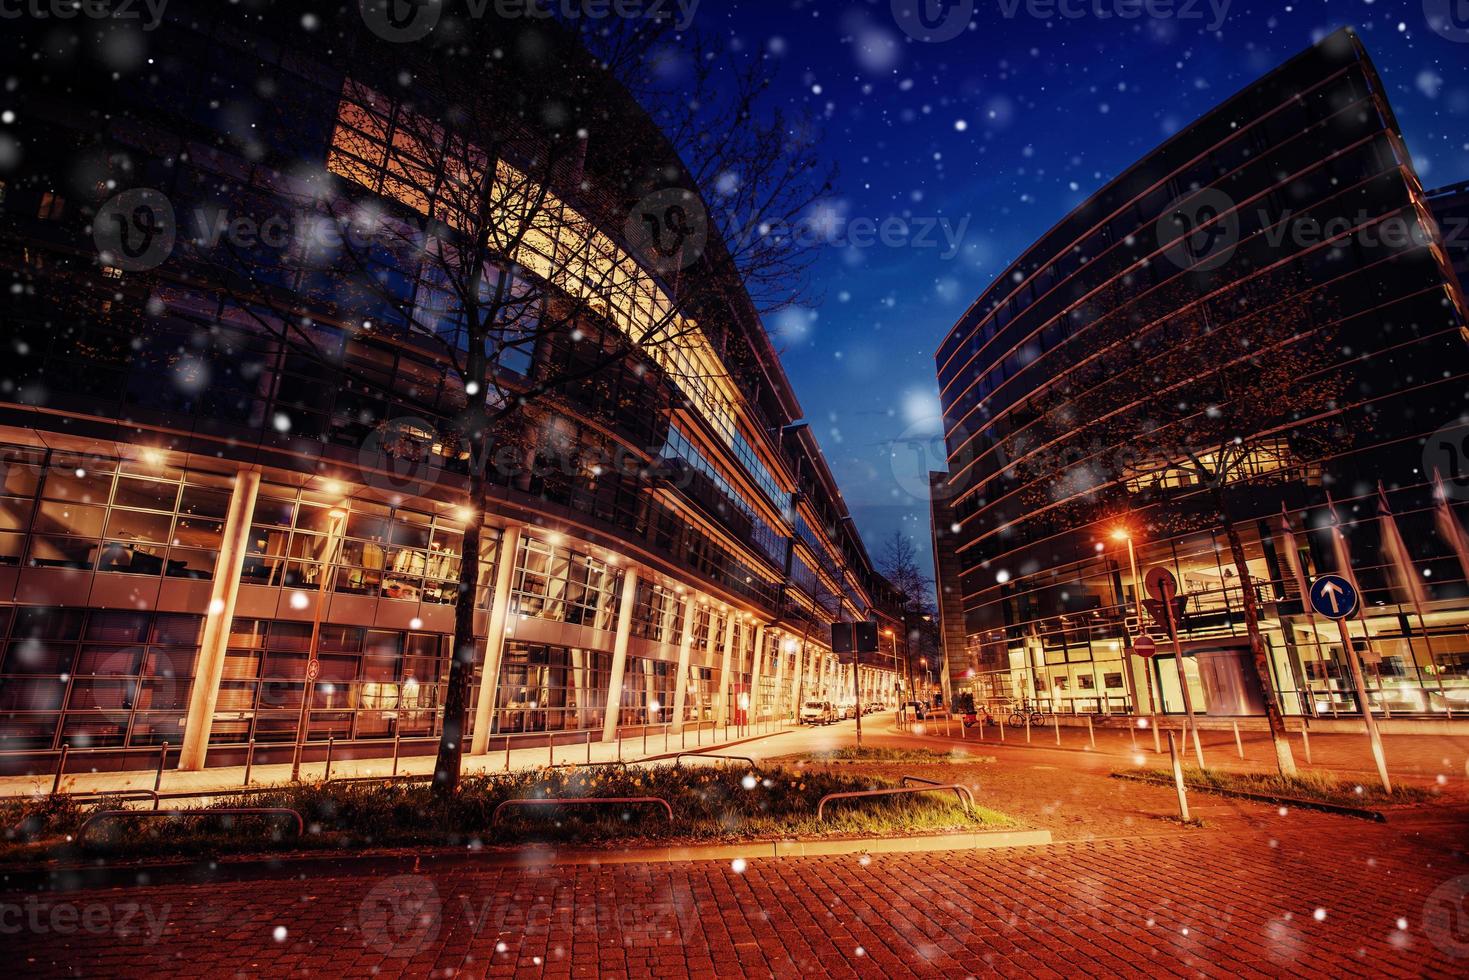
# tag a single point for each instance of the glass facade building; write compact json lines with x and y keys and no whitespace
{"x":204,"y":522}
{"x":1295,"y":201}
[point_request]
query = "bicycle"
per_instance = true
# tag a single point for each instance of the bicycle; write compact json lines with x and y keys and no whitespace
{"x":1019,"y":712}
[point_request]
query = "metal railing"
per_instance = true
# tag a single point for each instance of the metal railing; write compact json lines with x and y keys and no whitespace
{"x":897,"y":791}
{"x":238,"y":811}
{"x":961,"y":791}
{"x":587,"y":801}
{"x":678,"y":759}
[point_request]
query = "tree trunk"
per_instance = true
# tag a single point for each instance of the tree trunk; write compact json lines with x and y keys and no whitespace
{"x":461,"y":665}
{"x":1283,"y":757}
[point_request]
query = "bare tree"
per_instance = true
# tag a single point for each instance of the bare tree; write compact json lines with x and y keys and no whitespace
{"x":1185,"y":402}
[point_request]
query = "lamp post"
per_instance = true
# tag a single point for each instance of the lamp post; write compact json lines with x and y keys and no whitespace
{"x":1123,"y":534}
{"x":337,"y":517}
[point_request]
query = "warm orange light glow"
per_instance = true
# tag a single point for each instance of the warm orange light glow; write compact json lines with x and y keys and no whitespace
{"x":1120,"y":534}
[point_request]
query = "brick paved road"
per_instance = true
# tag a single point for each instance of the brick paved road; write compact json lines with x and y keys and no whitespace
{"x":1213,"y":902}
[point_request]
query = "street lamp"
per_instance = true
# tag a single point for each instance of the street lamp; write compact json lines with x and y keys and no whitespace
{"x":1121,"y":533}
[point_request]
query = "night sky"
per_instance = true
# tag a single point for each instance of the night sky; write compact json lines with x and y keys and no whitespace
{"x":999,"y":133}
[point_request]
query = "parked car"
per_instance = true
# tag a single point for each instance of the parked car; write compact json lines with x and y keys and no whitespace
{"x":817,"y":713}
{"x":872,"y":707}
{"x":917,"y":709}
{"x":847,"y":709}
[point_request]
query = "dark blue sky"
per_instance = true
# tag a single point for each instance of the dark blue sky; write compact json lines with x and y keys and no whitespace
{"x":997,"y":134}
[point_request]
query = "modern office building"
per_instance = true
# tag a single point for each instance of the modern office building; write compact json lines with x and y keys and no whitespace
{"x":1291,"y":211}
{"x":1451,"y":209}
{"x":232,"y":488}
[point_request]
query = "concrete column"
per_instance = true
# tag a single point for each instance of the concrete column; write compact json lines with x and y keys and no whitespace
{"x":223,"y":591}
{"x":685,"y":654}
{"x":798,"y":677}
{"x":781,"y":656}
{"x":757,"y":673}
{"x":489,"y":683}
{"x":721,"y":706}
{"x":619,"y":653}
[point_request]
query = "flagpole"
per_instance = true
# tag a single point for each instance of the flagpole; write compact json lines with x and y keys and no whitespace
{"x":1402,"y":561}
{"x":1344,"y":558}
{"x":1293,"y":560}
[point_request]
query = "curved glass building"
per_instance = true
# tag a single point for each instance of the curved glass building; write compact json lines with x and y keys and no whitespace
{"x":233,"y":492}
{"x":1282,"y":235}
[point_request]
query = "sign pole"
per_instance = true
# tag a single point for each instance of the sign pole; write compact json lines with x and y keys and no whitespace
{"x":1336,"y":597}
{"x":1370,"y":723}
{"x":1188,"y":701}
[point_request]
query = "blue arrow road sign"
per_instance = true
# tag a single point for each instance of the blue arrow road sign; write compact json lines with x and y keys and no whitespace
{"x":1333,"y":597}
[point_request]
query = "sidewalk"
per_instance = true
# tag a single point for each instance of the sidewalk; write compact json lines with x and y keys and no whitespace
{"x":232,"y":778}
{"x":1423,"y":758}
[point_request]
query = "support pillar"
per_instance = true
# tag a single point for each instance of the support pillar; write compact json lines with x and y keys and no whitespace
{"x":781,"y":656}
{"x":757,"y":673}
{"x":798,"y":675}
{"x":721,"y":707}
{"x":685,"y":651}
{"x":489,"y":682}
{"x":619,"y":653}
{"x":224,"y":590}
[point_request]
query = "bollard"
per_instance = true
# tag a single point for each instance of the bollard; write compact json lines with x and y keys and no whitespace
{"x":1027,"y":726}
{"x":1178,"y":779}
{"x":60,"y":768}
{"x":645,"y":738}
{"x":507,"y":753}
{"x":1002,"y":729}
{"x":1157,"y":744}
{"x":683,"y":738}
{"x":397,"y":746}
{"x":1056,"y":723}
{"x":1306,"y":740}
{"x":962,"y":736}
{"x":1132,"y":731}
{"x":249,"y":760}
{"x":619,"y":743}
{"x":158,"y":779}
{"x":330,"y":744}
{"x":589,"y":746}
{"x":550,"y":747}
{"x":1239,"y":746}
{"x":1090,"y":733}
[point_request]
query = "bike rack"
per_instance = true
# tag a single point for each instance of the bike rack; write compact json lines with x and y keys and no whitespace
{"x":242,"y":811}
{"x":961,"y":791}
{"x":709,"y":755}
{"x":586,"y":801}
{"x":821,"y":806}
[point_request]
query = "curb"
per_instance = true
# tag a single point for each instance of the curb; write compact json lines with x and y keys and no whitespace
{"x":207,"y":870}
{"x":1340,"y":809}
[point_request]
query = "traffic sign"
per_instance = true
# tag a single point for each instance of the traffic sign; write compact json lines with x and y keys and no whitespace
{"x":1160,"y":583}
{"x":1334,"y":597}
{"x":313,"y":667}
{"x":1145,"y":646}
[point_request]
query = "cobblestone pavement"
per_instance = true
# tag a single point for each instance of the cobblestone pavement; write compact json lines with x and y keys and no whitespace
{"x":1253,"y":893}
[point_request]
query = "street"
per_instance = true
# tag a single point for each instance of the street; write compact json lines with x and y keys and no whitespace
{"x":1126,"y":889}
